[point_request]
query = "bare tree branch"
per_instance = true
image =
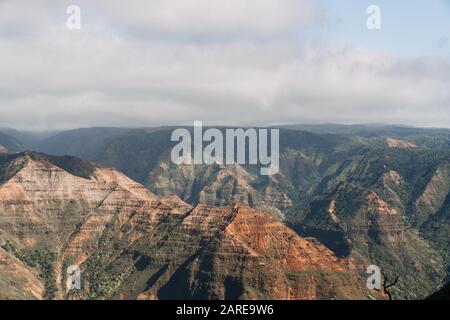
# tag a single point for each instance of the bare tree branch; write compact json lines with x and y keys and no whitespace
{"x":387,"y":285}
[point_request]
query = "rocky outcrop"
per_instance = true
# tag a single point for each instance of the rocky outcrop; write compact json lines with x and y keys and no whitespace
{"x":382,"y":221}
{"x":397,"y":143}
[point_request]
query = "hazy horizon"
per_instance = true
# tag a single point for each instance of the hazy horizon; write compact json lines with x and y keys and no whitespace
{"x":206,"y":125}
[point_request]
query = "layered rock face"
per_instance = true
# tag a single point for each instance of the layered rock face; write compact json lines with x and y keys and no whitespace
{"x":41,"y":202}
{"x":222,"y":253}
{"x":129,"y":243}
{"x":356,"y":222}
{"x":218,"y":185}
{"x":45,"y":209}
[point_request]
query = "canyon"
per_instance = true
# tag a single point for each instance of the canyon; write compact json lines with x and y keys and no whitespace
{"x":131,"y":244}
{"x":345,"y":197}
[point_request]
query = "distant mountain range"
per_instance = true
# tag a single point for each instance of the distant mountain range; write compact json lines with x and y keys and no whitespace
{"x":346,"y":197}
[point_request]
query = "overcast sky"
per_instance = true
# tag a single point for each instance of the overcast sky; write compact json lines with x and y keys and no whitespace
{"x":228,"y":62}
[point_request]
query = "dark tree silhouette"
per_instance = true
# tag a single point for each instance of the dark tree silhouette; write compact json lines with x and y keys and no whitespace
{"x":387,"y":284}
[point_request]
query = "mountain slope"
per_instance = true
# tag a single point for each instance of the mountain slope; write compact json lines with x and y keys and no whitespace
{"x":442,"y":294}
{"x":403,"y":170}
{"x":354,"y":221}
{"x":129,"y":243}
{"x":220,"y":253}
{"x":17,"y":280}
{"x":11,"y":144}
{"x":84,"y":143}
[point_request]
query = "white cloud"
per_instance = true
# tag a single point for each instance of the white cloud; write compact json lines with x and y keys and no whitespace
{"x":215,"y":17}
{"x":55,"y":78}
{"x":192,"y":18}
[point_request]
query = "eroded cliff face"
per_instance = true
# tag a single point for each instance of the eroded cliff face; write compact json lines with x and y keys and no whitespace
{"x":217,"y":185}
{"x":434,"y":195}
{"x":356,"y":214}
{"x":223,"y":253}
{"x":356,"y":222}
{"x":45,"y":210}
{"x":41,"y":203}
{"x":307,"y":269}
{"x":397,"y":143}
{"x":129,"y":243}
